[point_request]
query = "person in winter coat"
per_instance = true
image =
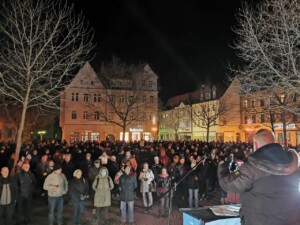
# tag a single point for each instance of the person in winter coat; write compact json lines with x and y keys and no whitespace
{"x":8,"y":196}
{"x":193,"y":184}
{"x":79,"y":191}
{"x":26,"y":184}
{"x":268,"y":183}
{"x":102,"y":186}
{"x":57,"y":186}
{"x":146,"y":176}
{"x":163,"y":185}
{"x":128,"y":184}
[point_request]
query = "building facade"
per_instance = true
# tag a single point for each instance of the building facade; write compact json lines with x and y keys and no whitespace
{"x":92,"y":110}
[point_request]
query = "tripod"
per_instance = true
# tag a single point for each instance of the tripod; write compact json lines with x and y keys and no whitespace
{"x":173,"y":187}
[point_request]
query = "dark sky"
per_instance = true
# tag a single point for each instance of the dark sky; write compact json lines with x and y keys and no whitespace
{"x":185,"y":42}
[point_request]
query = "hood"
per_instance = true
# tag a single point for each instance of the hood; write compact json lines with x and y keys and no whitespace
{"x":103,"y":168}
{"x":273,"y":159}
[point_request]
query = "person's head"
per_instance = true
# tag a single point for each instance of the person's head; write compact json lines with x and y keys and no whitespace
{"x":145,"y":166}
{"x":51,"y":163}
{"x":156,"y":160}
{"x":127,"y":169}
{"x":262,"y":137}
{"x":88,"y":156}
{"x":77,"y":174}
{"x":4,"y":172}
{"x":20,"y":163}
{"x":127,"y":154}
{"x":68,"y":158}
{"x":25,"y":167}
{"x":57,"y":168}
{"x":113,"y":158}
{"x":97,"y":163}
{"x":164,"y":171}
{"x":103,"y":172}
{"x":182,"y":160}
{"x":162,"y":152}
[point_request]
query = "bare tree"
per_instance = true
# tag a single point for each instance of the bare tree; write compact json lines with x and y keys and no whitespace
{"x":125,"y":98}
{"x":268,"y":38}
{"x":42,"y":43}
{"x":208,"y":114}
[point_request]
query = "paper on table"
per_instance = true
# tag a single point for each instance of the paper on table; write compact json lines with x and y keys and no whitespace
{"x":225,"y":210}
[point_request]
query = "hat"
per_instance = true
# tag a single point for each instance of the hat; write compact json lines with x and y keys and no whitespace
{"x":57,"y":166}
{"x":97,"y":161}
{"x":76,"y":171}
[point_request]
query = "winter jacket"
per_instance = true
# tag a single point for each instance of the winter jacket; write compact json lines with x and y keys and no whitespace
{"x":193,"y":180}
{"x":127,"y":185}
{"x":26,"y":183}
{"x":144,"y":185}
{"x":269,"y":186}
{"x":102,"y":186}
{"x":56,"y":184}
{"x":12,"y":185}
{"x":79,"y":189}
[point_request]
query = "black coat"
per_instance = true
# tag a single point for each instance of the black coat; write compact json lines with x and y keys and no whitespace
{"x":12,"y":185}
{"x":269,"y":186}
{"x":78,"y":188}
{"x":128,"y":184}
{"x":26,"y":183}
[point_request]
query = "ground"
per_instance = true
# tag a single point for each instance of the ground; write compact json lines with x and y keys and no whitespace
{"x":142,"y":217}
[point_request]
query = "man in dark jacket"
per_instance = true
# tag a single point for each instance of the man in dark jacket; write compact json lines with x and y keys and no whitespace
{"x":26,"y":183}
{"x":268,"y":183}
{"x":8,"y":196}
{"x":128,"y":183}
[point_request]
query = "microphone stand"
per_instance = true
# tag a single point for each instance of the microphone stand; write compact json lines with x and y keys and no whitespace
{"x":171,"y":189}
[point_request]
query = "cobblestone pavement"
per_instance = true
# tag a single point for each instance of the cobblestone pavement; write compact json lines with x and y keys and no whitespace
{"x":142,"y":217}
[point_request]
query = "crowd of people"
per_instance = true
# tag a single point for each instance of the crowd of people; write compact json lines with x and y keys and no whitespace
{"x":98,"y":171}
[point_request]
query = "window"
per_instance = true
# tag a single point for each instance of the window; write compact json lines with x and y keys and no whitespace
{"x":207,"y":95}
{"x":77,"y":97}
{"x":96,"y":115}
{"x":245,"y":104}
{"x":121,"y":99}
{"x":253,"y":103}
{"x":282,"y":98}
{"x":144,"y":99}
{"x":111,"y":116}
{"x":151,"y":99}
{"x":262,"y":103}
{"x":81,"y":82}
{"x":201,"y":97}
{"x":131,"y":116}
{"x":214,"y":107}
{"x":92,"y":83}
{"x":97,"y":97}
{"x":85,"y":97}
{"x":214,"y":94}
{"x":73,"y":97}
{"x":262,"y":118}
{"x":253,"y":118}
{"x":85,"y":115}
{"x":295,"y":118}
{"x":74,"y":115}
{"x":111,"y":98}
{"x":150,"y":84}
{"x":130,"y":99}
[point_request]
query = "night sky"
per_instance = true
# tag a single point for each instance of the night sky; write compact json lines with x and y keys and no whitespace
{"x":185,"y":42}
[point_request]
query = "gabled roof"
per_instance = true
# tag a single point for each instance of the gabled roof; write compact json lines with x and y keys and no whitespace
{"x":85,"y":77}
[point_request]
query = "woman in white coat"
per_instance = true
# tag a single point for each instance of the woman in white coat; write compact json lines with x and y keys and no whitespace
{"x":146,"y":176}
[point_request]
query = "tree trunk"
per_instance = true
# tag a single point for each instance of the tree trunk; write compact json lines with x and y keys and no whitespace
{"x":123,"y":134}
{"x":19,"y":138}
{"x":285,"y":144}
{"x":207,"y":134}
